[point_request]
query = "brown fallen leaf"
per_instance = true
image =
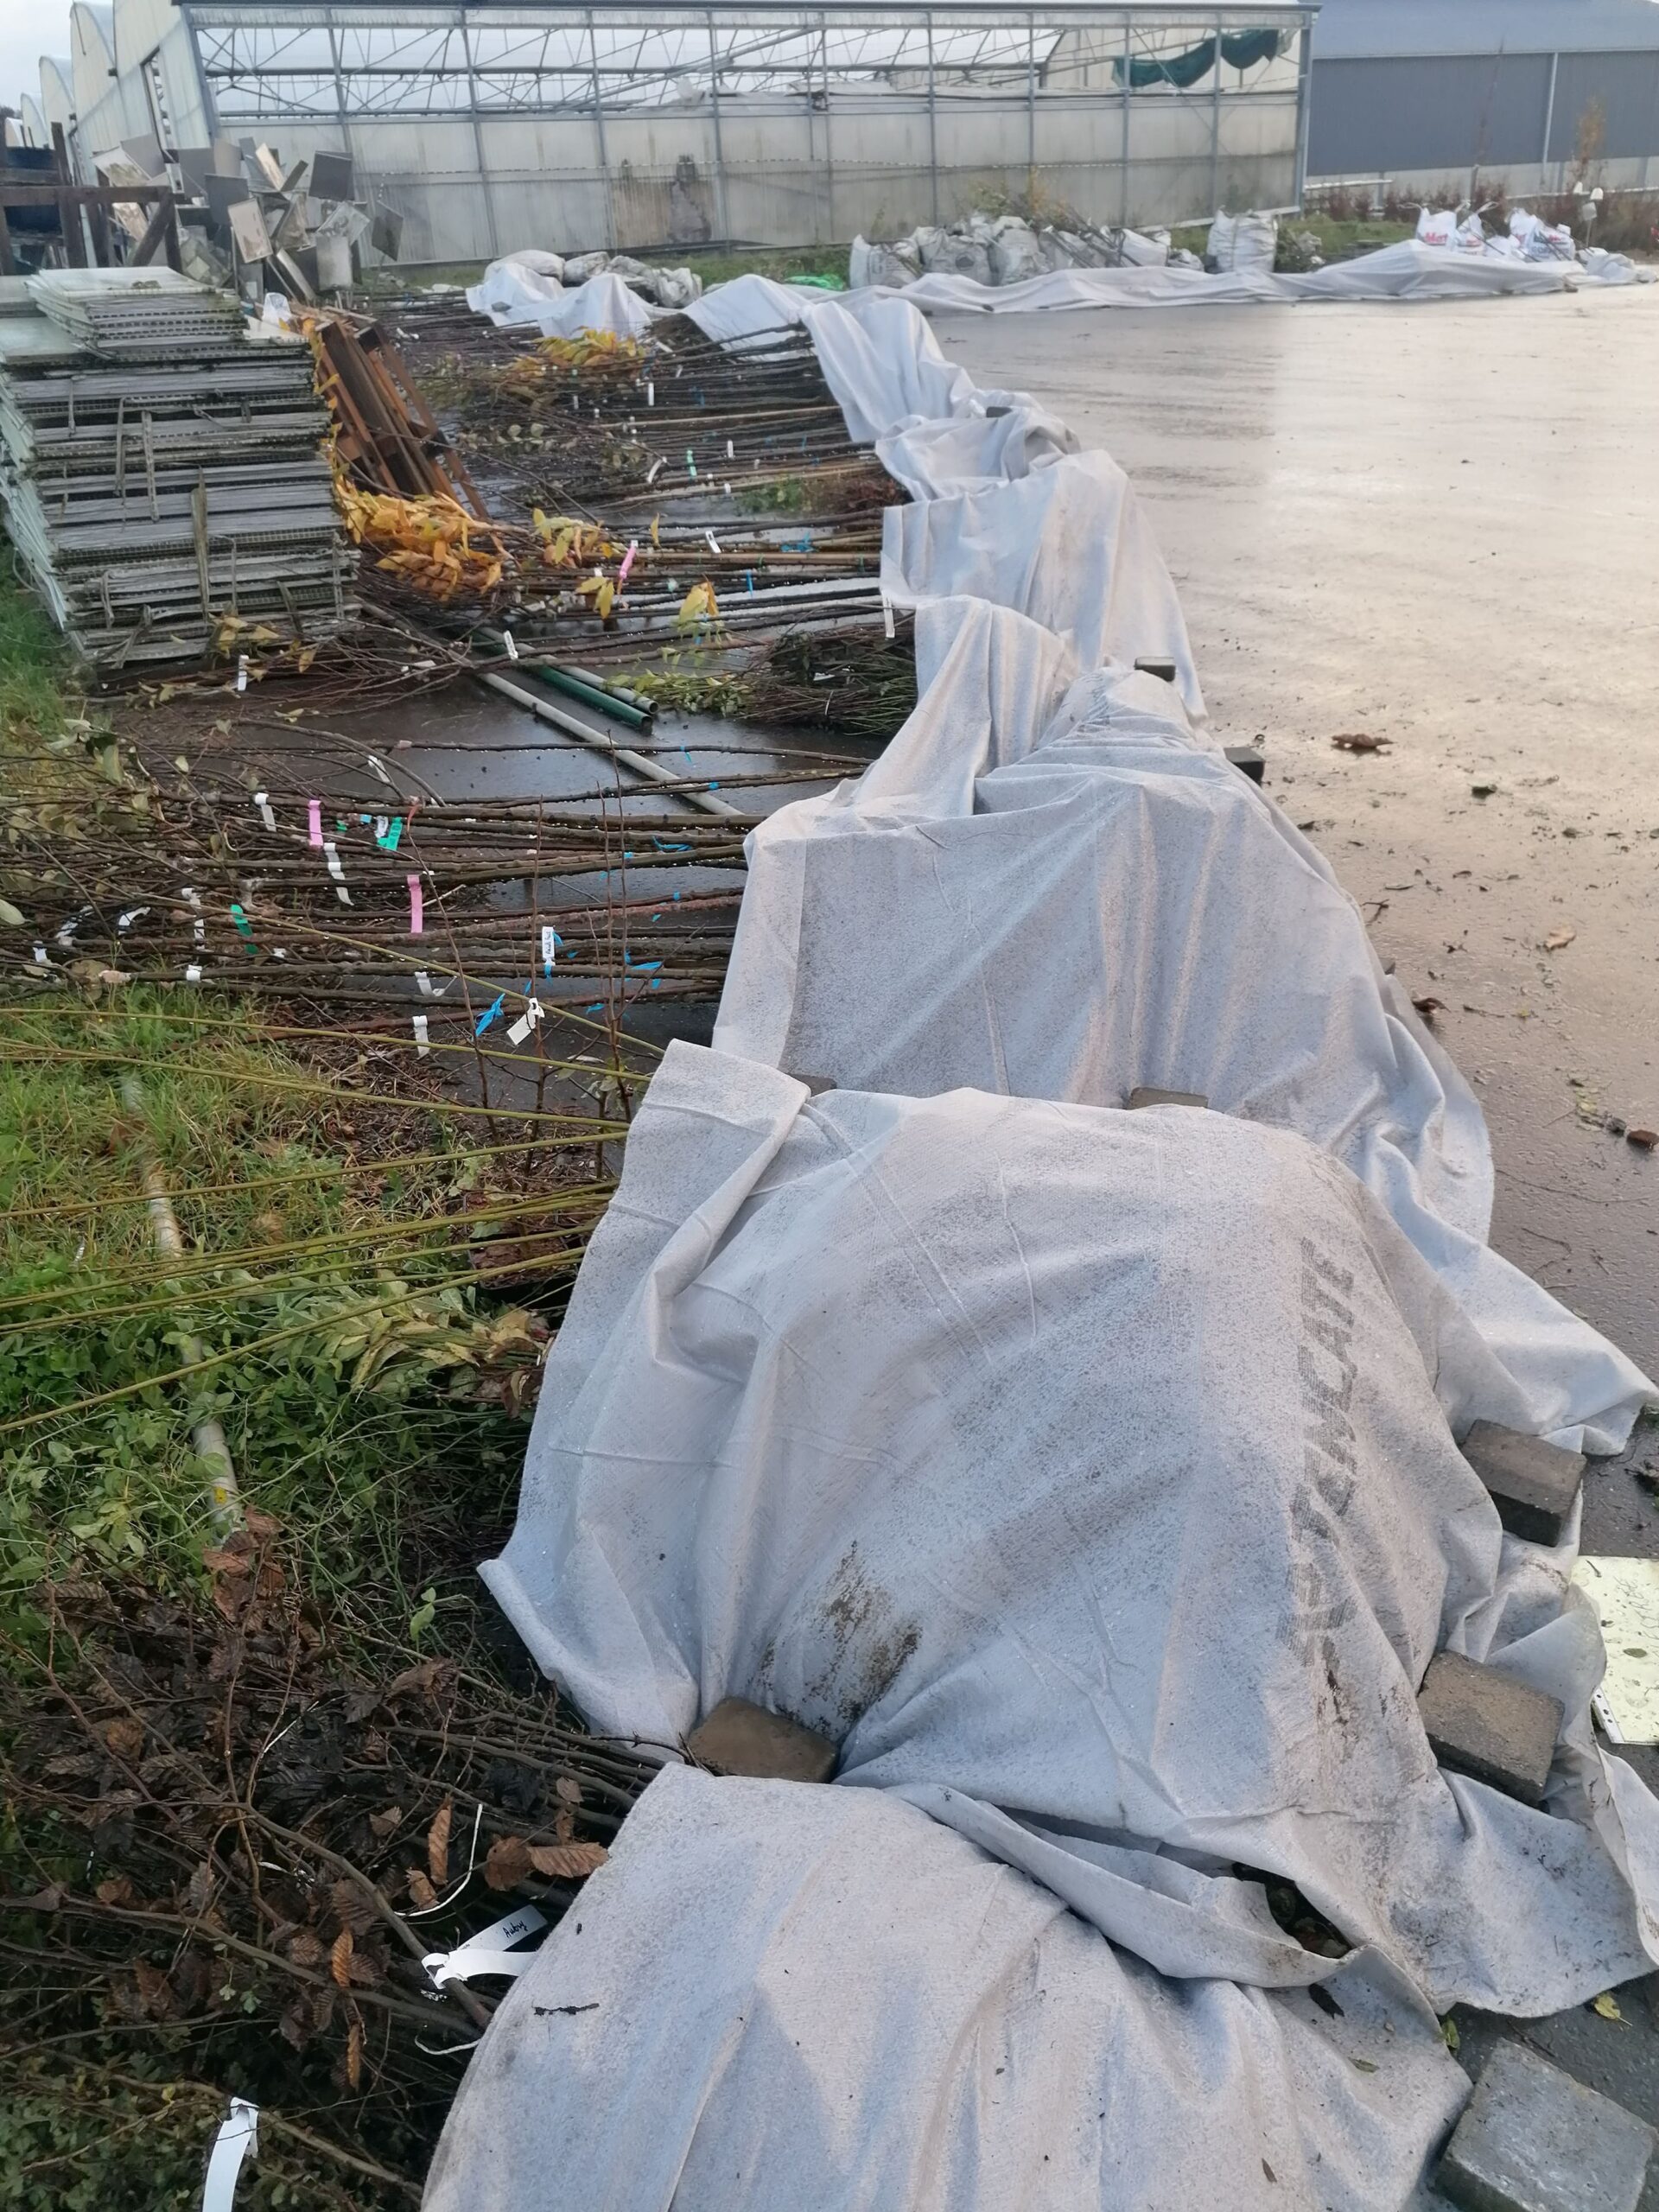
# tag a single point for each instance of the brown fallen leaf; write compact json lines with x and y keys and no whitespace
{"x":421,"y":1891}
{"x":340,"y":1958}
{"x":1557,"y":938}
{"x":567,"y":1862}
{"x":304,"y":1948}
{"x":568,"y":1790}
{"x":117,"y":1890}
{"x":126,"y":1738}
{"x":1359,"y":740}
{"x":1429,"y":1008}
{"x":437,"y":1844}
{"x":354,"y":2055}
{"x":509,"y":1859}
{"x":383,"y":1822}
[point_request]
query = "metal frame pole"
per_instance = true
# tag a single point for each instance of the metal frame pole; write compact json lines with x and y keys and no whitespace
{"x":490,"y":225}
{"x":721,"y":200}
{"x":1304,"y":106}
{"x":1031,"y":103}
{"x":828,"y":145}
{"x":1215,"y":128}
{"x":1549,"y":114}
{"x":338,"y":77}
{"x":599,"y":131}
{"x":209,"y":108}
{"x":1123,"y":178}
{"x":933,"y":124}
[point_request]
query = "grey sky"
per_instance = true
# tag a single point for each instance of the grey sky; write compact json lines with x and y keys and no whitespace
{"x":28,"y":28}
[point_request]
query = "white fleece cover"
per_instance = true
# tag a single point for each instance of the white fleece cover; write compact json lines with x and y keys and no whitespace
{"x":1089,"y":1477}
{"x":1409,"y":270}
{"x":1053,"y":886}
{"x":794,"y":1999}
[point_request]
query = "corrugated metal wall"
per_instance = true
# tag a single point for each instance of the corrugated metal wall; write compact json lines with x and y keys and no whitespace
{"x":1488,"y":111}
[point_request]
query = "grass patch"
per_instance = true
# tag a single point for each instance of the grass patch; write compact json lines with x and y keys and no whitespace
{"x":373,"y":1396}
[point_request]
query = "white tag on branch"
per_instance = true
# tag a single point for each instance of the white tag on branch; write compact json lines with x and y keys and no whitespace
{"x":242,"y":671}
{"x":512,"y":649}
{"x":262,"y":800}
{"x":331,"y":853}
{"x":423,"y":1041}
{"x":237,"y":2138}
{"x":489,"y":1952}
{"x":887,"y":614}
{"x":519,"y":1030}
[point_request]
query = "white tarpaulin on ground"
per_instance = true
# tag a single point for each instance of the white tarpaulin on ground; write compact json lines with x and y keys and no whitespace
{"x":1054,"y":887}
{"x":1409,"y":271}
{"x":791,"y":1998}
{"x":1089,"y":1477}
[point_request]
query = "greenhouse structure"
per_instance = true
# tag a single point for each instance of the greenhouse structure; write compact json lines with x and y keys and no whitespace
{"x":491,"y":126}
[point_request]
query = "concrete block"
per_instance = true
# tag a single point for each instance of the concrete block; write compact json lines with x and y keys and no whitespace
{"x":1533,"y":2139}
{"x":1484,"y":1723}
{"x":1249,"y":759}
{"x":1163,"y":668}
{"x":1147,"y":1093}
{"x":738,"y":1738}
{"x":1534,"y":1484}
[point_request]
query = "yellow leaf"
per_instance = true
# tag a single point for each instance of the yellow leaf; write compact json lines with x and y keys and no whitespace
{"x":1608,"y":2006}
{"x":603,"y":599}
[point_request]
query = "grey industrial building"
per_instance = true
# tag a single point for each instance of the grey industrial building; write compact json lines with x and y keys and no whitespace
{"x":1427,"y":91}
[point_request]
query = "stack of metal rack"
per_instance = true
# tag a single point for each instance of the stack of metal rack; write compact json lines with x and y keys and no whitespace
{"x":163,"y":476}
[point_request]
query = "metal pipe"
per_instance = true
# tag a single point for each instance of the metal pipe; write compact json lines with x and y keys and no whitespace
{"x":1304,"y":106}
{"x":599,"y":129}
{"x":1128,"y":66}
{"x":1549,"y":110}
{"x":478,"y":143}
{"x":652,"y":769}
{"x":721,"y":200}
{"x":829,"y":149}
{"x":933,"y":124}
{"x":1215,"y":128}
{"x":224,"y":1497}
{"x":1031,"y":103}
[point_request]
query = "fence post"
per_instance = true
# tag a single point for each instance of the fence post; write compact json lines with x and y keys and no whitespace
{"x":599,"y":129}
{"x":1549,"y":113}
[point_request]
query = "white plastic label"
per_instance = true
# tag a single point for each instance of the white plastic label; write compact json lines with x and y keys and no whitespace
{"x":237,"y":2140}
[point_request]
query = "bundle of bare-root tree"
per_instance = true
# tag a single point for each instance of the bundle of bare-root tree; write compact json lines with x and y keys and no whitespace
{"x":238,"y":1842}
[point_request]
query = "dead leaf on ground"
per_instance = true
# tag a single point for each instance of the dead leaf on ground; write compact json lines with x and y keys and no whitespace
{"x":1359,"y":740}
{"x":508,"y":1861}
{"x":354,"y":2055}
{"x":1429,"y":1008}
{"x":1557,"y":938}
{"x":422,"y":1894}
{"x":437,"y":1844}
{"x":125,"y":1737}
{"x":1608,"y":2006}
{"x":340,"y":1958}
{"x":567,"y":1862}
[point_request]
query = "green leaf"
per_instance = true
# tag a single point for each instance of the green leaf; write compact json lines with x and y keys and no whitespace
{"x":424,"y":1615}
